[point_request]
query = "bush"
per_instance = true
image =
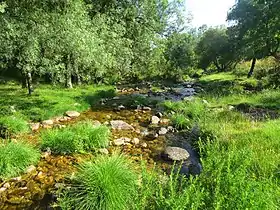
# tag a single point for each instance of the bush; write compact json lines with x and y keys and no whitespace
{"x":76,"y":138}
{"x":15,"y":157}
{"x":12,"y":125}
{"x":106,"y":183}
{"x":180,"y":121}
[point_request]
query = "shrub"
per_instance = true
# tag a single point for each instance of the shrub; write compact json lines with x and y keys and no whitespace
{"x":15,"y":157}
{"x":12,"y":125}
{"x":180,"y":121}
{"x":76,"y":138}
{"x":106,"y":183}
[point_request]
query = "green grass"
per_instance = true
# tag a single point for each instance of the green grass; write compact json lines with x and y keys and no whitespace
{"x":48,"y":101}
{"x":81,"y":137}
{"x":15,"y":158}
{"x":106,"y":183}
{"x":186,"y":113}
{"x":13,"y":124}
{"x":240,"y":157}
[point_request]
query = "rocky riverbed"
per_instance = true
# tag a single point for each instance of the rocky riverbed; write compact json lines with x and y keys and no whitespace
{"x":139,"y":131}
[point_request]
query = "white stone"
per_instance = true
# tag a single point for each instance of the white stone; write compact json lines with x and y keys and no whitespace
{"x":34,"y":126}
{"x":47,"y":122}
{"x":162,"y":131}
{"x":30,"y":169}
{"x":176,"y":153}
{"x":135,"y":141}
{"x":72,"y":114}
{"x":120,"y":125}
{"x":155,"y":120}
{"x":103,"y":151}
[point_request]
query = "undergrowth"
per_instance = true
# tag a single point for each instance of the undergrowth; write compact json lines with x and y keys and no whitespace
{"x":105,"y":183}
{"x":15,"y":157}
{"x":81,"y":137}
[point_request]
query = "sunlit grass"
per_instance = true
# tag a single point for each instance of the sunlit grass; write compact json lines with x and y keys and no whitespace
{"x":81,"y":137}
{"x":15,"y":157}
{"x":105,"y":183}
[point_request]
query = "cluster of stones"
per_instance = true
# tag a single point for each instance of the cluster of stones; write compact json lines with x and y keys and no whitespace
{"x":23,"y":191}
{"x":69,"y":115}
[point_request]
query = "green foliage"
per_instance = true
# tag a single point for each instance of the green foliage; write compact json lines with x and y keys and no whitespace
{"x":180,"y":54}
{"x":80,"y":137}
{"x":180,"y":121}
{"x":186,"y":113}
{"x":15,"y":158}
{"x":243,"y":155}
{"x":12,"y":125}
{"x":215,"y":47}
{"x":256,"y":28}
{"x":86,"y":41}
{"x":105,"y":183}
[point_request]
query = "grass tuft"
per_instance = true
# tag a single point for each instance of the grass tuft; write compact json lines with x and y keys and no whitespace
{"x":106,"y":183}
{"x":80,"y":137}
{"x":15,"y":157}
{"x":10,"y":125}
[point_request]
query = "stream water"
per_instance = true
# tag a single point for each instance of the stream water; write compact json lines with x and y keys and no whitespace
{"x":36,"y":188}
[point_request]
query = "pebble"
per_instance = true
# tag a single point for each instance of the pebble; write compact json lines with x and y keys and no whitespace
{"x":155,"y":120}
{"x":30,"y":169}
{"x":72,"y":114}
{"x":47,"y":122}
{"x":144,"y":145}
{"x":7,"y":185}
{"x":3,"y":189}
{"x":162,"y":131}
{"x":103,"y":151}
{"x":135,"y":141}
{"x":147,"y":108}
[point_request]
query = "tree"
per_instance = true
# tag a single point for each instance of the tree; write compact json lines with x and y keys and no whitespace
{"x":179,"y":53}
{"x":215,"y":47}
{"x":255,"y":29}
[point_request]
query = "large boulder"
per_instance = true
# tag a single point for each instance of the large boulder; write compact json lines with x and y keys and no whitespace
{"x":72,"y":114}
{"x":120,"y":125}
{"x":176,"y":154}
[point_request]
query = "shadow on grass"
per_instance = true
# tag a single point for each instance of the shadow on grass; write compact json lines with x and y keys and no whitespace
{"x":46,"y":102}
{"x":218,"y":87}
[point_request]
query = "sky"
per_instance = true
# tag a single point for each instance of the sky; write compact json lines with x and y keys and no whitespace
{"x":210,"y":12}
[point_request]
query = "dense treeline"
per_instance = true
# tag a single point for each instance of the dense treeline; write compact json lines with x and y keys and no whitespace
{"x":98,"y":41}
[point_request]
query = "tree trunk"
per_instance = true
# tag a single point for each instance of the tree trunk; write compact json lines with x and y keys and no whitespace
{"x":79,"y":82}
{"x":252,"y":67}
{"x":24,"y":81}
{"x":69,"y":80}
{"x":29,"y":83}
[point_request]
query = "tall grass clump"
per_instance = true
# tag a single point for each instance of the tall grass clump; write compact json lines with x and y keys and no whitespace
{"x":15,"y":157}
{"x":106,"y":183}
{"x":10,"y":125}
{"x":80,"y":137}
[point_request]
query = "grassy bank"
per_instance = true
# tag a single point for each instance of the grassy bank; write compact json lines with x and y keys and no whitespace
{"x":48,"y":101}
{"x":240,"y":154}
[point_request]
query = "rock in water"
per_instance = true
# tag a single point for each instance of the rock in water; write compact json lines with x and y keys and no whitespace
{"x":47,"y":122}
{"x":121,"y":141}
{"x":35,"y":126}
{"x":135,"y":141}
{"x":96,"y":123}
{"x":162,"y":131}
{"x":176,"y":154}
{"x":103,"y":151}
{"x":72,"y":114}
{"x":155,"y":120}
{"x":120,"y":125}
